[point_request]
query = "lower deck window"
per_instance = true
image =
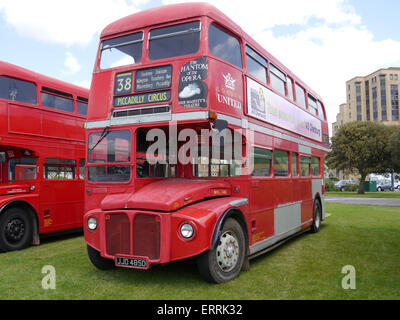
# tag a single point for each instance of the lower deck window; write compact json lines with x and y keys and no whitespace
{"x":21,"y":169}
{"x":305,"y":164}
{"x":262,"y":162}
{"x":55,"y":169}
{"x":315,"y":166}
{"x":281,"y":163}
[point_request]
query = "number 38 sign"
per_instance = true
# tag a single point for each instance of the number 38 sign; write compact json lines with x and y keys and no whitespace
{"x":123,"y":83}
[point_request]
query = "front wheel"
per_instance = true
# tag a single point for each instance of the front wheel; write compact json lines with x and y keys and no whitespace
{"x":16,"y":230}
{"x":316,"y":225}
{"x":224,"y":262}
{"x":98,"y":261}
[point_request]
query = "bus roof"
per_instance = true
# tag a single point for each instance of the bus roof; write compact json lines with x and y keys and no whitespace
{"x":8,"y":69}
{"x":182,"y":11}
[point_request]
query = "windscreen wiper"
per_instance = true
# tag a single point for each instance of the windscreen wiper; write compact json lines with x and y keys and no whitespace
{"x":104,"y":134}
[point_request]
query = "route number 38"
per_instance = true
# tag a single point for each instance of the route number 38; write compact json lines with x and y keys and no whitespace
{"x":123,"y":83}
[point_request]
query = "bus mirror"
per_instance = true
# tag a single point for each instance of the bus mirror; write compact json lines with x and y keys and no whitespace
{"x":2,"y":157}
{"x":220,"y":125}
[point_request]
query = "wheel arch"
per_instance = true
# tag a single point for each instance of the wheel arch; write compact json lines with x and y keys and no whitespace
{"x":235,"y":213}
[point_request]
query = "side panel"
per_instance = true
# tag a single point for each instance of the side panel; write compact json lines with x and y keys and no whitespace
{"x":287,"y":217}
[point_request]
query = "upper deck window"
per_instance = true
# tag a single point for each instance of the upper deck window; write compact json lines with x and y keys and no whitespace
{"x":58,"y":100}
{"x":81,"y":106}
{"x":174,"y":41}
{"x":278,"y":79}
{"x":256,"y":65}
{"x":320,"y":110}
{"x":121,"y":51}
{"x":224,"y":46}
{"x":300,"y":96}
{"x":312,"y":105}
{"x":17,"y":90}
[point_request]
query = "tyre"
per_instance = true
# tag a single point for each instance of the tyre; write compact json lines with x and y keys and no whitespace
{"x":379,"y":189}
{"x":98,"y":261}
{"x":224,"y":262}
{"x":317,"y":217}
{"x":16,"y":229}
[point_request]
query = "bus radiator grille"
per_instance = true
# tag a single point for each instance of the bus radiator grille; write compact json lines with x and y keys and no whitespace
{"x":146,"y":236}
{"x":118,"y":234}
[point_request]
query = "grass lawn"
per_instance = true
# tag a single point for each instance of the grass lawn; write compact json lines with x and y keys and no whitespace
{"x":307,"y":267}
{"x":385,"y":194}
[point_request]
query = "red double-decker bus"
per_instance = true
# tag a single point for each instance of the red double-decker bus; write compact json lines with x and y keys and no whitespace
{"x":42,"y":156}
{"x":158,"y":188}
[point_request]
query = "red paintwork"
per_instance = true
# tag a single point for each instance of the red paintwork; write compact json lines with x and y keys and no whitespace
{"x":46,"y":133}
{"x":168,"y":195}
{"x":165,"y":198}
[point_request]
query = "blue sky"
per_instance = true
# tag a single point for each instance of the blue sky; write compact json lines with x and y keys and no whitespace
{"x":324,"y":42}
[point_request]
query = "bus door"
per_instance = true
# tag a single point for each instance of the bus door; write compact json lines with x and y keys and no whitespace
{"x":61,"y":195}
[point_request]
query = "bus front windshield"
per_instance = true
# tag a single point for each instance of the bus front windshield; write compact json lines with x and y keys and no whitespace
{"x":109,"y":156}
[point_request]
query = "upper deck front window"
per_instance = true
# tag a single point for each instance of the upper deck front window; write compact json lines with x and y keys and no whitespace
{"x":121,"y":51}
{"x":173,"y":41}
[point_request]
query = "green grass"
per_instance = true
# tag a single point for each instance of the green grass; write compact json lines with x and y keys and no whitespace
{"x":307,"y":267}
{"x":386,"y":194}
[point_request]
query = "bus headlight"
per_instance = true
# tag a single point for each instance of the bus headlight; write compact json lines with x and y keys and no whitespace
{"x":92,"y":223}
{"x":187,"y":230}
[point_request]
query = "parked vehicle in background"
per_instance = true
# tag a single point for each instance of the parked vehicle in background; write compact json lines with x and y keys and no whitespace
{"x":384,"y":185}
{"x":342,"y":183}
{"x":42,"y":156}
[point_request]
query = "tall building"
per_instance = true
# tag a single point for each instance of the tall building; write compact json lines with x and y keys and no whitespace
{"x":371,"y":98}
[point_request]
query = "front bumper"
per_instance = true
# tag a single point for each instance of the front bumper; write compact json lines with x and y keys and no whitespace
{"x":152,"y":235}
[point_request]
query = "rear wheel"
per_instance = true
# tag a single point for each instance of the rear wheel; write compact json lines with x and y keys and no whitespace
{"x":224,"y":262}
{"x":16,"y":229}
{"x":316,"y":225}
{"x":98,"y":261}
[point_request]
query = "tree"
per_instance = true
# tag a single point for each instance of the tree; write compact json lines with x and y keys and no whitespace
{"x":361,"y":147}
{"x":394,"y":145}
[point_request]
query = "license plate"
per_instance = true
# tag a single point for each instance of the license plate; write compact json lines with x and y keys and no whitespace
{"x":135,"y":263}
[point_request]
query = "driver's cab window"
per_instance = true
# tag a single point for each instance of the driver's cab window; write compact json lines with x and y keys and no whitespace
{"x":152,"y":155}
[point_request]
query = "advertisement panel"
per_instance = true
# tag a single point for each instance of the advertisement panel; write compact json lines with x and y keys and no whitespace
{"x":266,"y":105}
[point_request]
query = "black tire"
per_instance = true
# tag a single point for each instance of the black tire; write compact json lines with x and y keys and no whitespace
{"x":217,"y":268}
{"x":342,"y":189}
{"x":16,"y":229}
{"x":379,"y":189}
{"x":98,"y":261}
{"x":317,"y":217}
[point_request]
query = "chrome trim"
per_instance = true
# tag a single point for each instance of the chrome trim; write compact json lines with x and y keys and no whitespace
{"x":239,"y":202}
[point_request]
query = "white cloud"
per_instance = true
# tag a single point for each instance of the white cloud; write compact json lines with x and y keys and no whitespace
{"x":72,"y":64}
{"x":65,"y":22}
{"x":83,"y":83}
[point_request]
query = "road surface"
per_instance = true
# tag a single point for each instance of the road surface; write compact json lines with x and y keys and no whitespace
{"x":391,"y":202}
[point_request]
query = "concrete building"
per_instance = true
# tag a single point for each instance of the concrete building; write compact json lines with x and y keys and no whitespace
{"x":374,"y":97}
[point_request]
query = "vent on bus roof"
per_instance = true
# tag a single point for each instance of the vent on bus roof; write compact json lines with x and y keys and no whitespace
{"x":141,"y":111}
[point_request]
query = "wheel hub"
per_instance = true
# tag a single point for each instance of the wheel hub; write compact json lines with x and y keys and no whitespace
{"x":14,"y":230}
{"x":227,"y":251}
